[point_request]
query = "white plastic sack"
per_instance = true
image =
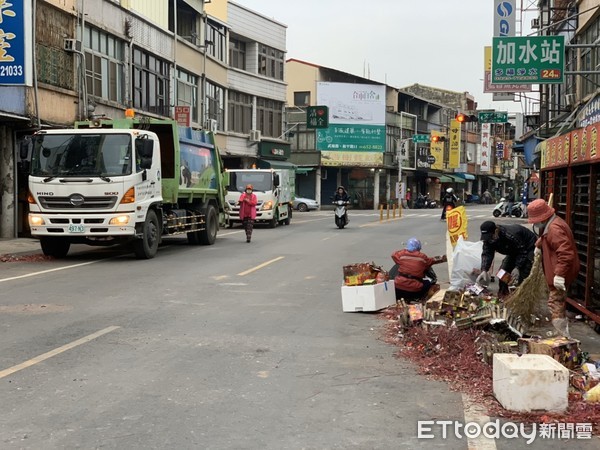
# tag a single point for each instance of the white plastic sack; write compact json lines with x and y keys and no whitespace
{"x":465,"y":257}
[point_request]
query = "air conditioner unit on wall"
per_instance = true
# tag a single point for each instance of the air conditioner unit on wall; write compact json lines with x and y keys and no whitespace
{"x":255,"y":135}
{"x":212,"y":126}
{"x":72,"y":45}
{"x":535,"y":23}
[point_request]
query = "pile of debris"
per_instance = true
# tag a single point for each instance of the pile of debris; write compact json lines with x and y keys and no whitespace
{"x":7,"y":257}
{"x":453,"y":338}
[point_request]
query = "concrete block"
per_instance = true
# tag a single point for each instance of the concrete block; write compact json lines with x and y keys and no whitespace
{"x":530,"y":382}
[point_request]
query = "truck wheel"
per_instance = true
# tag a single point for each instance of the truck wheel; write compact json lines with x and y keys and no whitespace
{"x":55,"y":247}
{"x":273,"y":221}
{"x":208,"y":236}
{"x":147,"y":246}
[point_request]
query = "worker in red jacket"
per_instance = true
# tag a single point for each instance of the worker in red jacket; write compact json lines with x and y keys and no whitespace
{"x":247,"y":204}
{"x":411,"y":281}
{"x":559,"y":257}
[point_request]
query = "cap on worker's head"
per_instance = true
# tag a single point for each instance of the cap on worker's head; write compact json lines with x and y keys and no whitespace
{"x":249,"y":186}
{"x":539,"y":211}
{"x":487,"y":230}
{"x":413,"y":245}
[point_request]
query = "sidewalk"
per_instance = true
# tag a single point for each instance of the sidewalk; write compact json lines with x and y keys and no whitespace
{"x":20,"y":245}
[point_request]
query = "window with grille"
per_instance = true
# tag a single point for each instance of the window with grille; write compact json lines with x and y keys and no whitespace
{"x":269,"y":117}
{"x":239,"y":117}
{"x":215,"y":33}
{"x":270,"y":62}
{"x":187,"y":92}
{"x":237,"y":54}
{"x":215,"y":103}
{"x":150,"y":83}
{"x":104,"y":67}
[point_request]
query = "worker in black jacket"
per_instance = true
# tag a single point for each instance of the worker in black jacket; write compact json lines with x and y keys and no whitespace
{"x":514,"y":241}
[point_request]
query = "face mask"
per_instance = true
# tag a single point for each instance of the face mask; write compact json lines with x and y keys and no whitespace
{"x":539,"y":226}
{"x":248,"y":191}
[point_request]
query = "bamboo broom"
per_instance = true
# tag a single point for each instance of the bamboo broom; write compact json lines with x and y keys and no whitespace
{"x":526,"y":302}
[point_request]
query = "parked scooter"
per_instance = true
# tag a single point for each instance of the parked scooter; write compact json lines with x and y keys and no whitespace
{"x":341,"y":213}
{"x":423,"y":201}
{"x":516,"y":210}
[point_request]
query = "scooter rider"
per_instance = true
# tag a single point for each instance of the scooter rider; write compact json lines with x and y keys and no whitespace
{"x":341,"y":194}
{"x":448,"y":199}
{"x":514,"y":241}
{"x":510,"y":200}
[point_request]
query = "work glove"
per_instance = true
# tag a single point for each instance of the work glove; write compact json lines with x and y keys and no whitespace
{"x":559,"y":283}
{"x":483,"y":278}
{"x":514,"y":277}
{"x":537,"y":251}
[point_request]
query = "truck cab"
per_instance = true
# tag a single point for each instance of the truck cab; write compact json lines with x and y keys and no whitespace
{"x":274,"y":190}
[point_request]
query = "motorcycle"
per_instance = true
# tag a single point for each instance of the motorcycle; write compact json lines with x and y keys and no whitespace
{"x":341,"y":213}
{"x":423,"y":201}
{"x":516,"y":210}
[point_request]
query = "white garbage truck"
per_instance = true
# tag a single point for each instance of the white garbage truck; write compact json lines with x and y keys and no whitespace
{"x":274,"y":189}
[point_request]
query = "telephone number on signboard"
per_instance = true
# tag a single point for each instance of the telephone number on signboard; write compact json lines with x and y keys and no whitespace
{"x":11,"y":71}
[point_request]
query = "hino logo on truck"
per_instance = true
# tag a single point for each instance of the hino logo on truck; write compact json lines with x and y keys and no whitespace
{"x":45,"y":193}
{"x":76,"y":199}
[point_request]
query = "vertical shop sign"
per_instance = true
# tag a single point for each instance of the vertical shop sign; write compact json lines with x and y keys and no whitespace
{"x":455,"y":135}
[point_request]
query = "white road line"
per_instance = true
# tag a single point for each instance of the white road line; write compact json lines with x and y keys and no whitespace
{"x":56,"y":351}
{"x":474,"y":413}
{"x":33,"y":274}
{"x":260,"y":266}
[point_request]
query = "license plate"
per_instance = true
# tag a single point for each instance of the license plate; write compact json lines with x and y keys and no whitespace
{"x":76,"y":229}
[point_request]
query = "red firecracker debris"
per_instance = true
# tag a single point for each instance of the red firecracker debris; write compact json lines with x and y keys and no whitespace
{"x":24,"y":258}
{"x":452,"y":355}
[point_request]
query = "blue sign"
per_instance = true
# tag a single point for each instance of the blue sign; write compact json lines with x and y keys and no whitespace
{"x":12,"y":42}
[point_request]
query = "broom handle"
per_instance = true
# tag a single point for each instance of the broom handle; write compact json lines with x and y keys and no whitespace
{"x":551,"y":200}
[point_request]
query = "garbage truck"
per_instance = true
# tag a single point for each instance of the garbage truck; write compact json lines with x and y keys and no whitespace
{"x":106,"y":182}
{"x":274,"y":189}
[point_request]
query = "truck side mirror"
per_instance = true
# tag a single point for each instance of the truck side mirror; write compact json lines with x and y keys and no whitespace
{"x":144,"y":148}
{"x":24,"y":148}
{"x":276,"y":180}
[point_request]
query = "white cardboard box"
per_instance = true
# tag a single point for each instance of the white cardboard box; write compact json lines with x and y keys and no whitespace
{"x":371,"y":297}
{"x":530,"y":382}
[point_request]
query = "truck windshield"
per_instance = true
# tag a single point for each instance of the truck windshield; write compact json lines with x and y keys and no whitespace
{"x":260,"y":181}
{"x":65,"y":155}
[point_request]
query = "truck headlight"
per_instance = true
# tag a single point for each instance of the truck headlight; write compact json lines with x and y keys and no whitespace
{"x":36,"y":221}
{"x":267,"y":206}
{"x":119,"y":220}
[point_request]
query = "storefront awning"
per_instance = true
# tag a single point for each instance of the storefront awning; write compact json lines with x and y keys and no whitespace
{"x":457,"y":179}
{"x":274,"y":164}
{"x":495,"y":179}
{"x":445,"y":179}
{"x":466,"y":176}
{"x":304,"y":170}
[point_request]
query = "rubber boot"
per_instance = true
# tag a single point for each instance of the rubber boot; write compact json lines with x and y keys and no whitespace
{"x":562,"y":327}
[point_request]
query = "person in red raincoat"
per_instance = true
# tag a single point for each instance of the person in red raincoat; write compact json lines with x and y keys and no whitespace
{"x":559,"y":258}
{"x":410,"y":281}
{"x":247,"y":204}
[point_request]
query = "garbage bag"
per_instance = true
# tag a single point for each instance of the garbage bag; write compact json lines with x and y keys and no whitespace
{"x":465,"y":258}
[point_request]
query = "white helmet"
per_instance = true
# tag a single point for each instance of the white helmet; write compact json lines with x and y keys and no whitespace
{"x":449,"y":190}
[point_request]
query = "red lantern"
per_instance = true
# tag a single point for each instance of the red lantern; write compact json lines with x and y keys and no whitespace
{"x":437,"y":181}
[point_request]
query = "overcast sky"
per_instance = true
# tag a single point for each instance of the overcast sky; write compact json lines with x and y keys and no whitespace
{"x":400,"y":42}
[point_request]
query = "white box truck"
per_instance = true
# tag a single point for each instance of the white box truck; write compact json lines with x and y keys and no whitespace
{"x":274,"y":190}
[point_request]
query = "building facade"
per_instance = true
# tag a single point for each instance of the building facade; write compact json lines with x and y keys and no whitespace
{"x":213,"y":65}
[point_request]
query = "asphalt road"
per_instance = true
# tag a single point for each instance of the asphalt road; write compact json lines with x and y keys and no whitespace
{"x":230,"y":346}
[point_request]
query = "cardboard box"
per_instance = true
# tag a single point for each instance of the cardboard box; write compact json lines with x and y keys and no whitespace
{"x":564,"y":350}
{"x":368,"y":298}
